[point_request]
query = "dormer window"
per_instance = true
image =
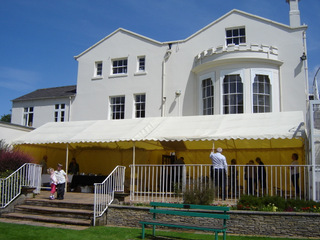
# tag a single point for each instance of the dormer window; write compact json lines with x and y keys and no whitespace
{"x":235,"y":36}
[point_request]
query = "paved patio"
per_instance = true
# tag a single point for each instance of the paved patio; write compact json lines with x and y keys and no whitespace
{"x":69,"y":197}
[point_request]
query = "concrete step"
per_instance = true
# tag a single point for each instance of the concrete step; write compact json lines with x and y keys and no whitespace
{"x":58,"y":204}
{"x":55,"y":211}
{"x":48,"y":219}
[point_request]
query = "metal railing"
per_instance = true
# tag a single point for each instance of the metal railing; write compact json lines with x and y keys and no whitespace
{"x":167,"y":183}
{"x":104,"y":192}
{"x":28,"y":175}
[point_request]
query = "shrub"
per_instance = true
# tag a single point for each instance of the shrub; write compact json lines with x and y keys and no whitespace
{"x":11,"y":159}
{"x":276,"y":203}
{"x":202,"y":195}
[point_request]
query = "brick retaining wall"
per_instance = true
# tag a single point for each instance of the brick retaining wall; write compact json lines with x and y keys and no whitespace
{"x":241,"y":222}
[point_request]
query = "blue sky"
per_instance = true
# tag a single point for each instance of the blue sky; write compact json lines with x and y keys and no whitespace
{"x":39,"y":38}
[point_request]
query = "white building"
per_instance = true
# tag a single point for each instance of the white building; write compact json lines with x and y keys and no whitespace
{"x":42,"y":106}
{"x":240,"y":63}
{"x":249,"y":72}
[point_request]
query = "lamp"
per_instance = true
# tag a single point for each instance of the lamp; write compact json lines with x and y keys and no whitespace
{"x":303,"y":57}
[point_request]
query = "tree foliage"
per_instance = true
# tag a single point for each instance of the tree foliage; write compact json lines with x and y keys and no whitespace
{"x":5,"y":118}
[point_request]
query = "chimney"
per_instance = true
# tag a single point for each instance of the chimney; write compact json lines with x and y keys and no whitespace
{"x":294,"y":13}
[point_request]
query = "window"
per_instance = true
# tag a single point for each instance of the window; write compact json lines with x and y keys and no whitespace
{"x":120,"y":66}
{"x":117,"y":107}
{"x":98,"y":70}
{"x":207,"y":97}
{"x":59,"y":113}
{"x":236,"y":36}
{"x":28,"y":116}
{"x":232,"y":94}
{"x":140,"y":105}
{"x":261,"y":94}
{"x":142,"y":64}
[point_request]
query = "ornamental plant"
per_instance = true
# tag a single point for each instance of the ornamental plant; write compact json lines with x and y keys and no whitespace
{"x":11,"y":159}
{"x":202,"y":195}
{"x":276,"y":204}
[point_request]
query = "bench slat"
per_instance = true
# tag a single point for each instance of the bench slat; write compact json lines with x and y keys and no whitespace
{"x":189,"y":213}
{"x":184,"y":225}
{"x":189,"y":206}
{"x":189,"y":210}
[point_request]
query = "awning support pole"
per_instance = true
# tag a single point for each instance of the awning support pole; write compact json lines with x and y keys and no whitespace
{"x":67,"y":157}
{"x":133,"y":171}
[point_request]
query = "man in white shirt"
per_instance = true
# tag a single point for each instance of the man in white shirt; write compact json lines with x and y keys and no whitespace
{"x":219,"y":171}
{"x":62,"y":177}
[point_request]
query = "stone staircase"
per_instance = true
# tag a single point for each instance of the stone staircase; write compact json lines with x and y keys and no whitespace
{"x":66,"y":212}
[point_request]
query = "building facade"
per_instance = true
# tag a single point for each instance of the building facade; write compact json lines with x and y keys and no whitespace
{"x":240,"y":63}
{"x":42,"y":106}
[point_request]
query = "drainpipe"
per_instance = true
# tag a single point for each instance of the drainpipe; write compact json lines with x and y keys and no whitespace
{"x":69,"y":112}
{"x":305,"y":64}
{"x":163,"y":99}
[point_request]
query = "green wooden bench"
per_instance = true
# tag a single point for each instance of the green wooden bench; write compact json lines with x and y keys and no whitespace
{"x":189,"y":210}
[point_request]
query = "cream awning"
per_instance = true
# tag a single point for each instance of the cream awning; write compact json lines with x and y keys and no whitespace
{"x":263,"y":130}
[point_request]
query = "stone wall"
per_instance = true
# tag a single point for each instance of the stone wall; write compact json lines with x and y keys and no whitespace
{"x":240,"y":223}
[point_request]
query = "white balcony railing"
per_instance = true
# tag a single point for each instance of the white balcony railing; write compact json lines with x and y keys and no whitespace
{"x":168,"y":182}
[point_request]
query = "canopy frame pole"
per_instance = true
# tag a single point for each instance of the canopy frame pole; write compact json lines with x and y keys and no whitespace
{"x":67,"y":157}
{"x":133,"y":171}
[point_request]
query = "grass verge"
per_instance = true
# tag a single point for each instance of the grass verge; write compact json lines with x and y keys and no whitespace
{"x":9,"y":231}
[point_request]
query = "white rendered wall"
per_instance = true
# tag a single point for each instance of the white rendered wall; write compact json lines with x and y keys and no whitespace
{"x":92,"y":100}
{"x":182,"y":73}
{"x":288,"y":74}
{"x":43,"y":110}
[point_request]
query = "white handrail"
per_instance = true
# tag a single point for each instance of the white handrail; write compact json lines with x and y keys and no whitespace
{"x":28,"y":175}
{"x":104,"y":192}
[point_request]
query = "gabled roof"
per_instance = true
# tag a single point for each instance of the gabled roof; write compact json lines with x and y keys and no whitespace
{"x":113,"y":33}
{"x":193,"y":35}
{"x":248,"y":15}
{"x":56,"y":92}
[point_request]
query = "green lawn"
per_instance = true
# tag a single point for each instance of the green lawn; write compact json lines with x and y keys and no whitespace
{"x":10,"y":231}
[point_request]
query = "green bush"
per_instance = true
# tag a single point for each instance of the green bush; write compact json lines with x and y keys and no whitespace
{"x":276,"y":203}
{"x":201,"y":195}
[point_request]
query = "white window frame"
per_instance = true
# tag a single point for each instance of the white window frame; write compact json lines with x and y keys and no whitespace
{"x":212,"y":76}
{"x":28,"y":116}
{"x":265,"y":72}
{"x":141,"y":67}
{"x":124,"y":67}
{"x":223,"y":73}
{"x":121,"y":106}
{"x":239,"y":37}
{"x":98,"y":74}
{"x":137,"y":105}
{"x":60,"y":112}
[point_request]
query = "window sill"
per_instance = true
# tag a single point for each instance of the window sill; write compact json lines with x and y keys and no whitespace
{"x":118,"y":75}
{"x":97,"y":78}
{"x":140,"y":73}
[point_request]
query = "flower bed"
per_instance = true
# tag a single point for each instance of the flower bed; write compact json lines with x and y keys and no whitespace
{"x":276,"y":204}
